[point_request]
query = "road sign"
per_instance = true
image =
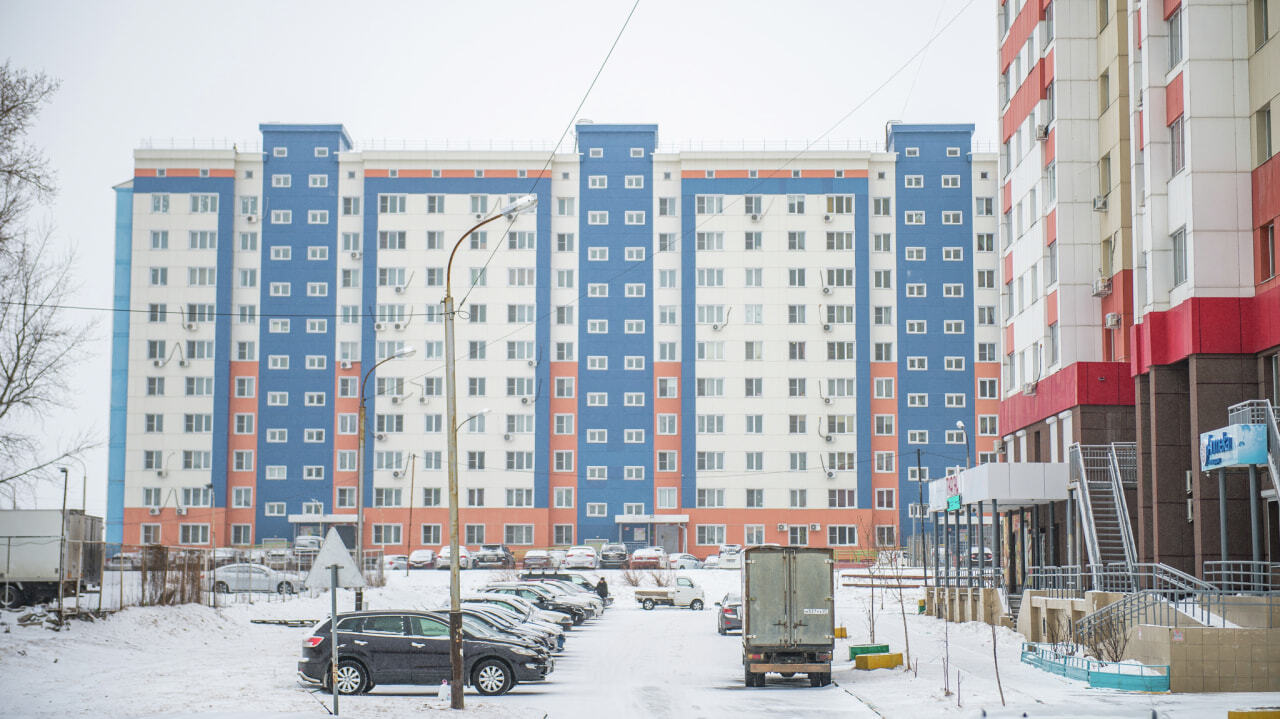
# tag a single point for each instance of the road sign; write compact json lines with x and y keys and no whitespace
{"x":334,"y":553}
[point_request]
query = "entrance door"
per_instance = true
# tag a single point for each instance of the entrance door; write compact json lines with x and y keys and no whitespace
{"x":667,"y":536}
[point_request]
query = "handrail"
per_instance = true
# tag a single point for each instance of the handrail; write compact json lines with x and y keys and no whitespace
{"x":1261,"y":411}
{"x":1117,"y":488}
{"x":1086,"y":508}
{"x":1243,"y":576}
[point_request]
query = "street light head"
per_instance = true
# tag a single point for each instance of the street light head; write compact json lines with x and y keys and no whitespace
{"x":523,"y":203}
{"x":486,"y":410}
{"x":407,"y":352}
{"x":959,"y":424}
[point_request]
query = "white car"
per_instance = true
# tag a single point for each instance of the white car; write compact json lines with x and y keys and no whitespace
{"x":581,"y":557}
{"x":443,"y":561}
{"x":711,"y":562}
{"x":422,"y":558}
{"x":684,"y":561}
{"x":246,"y":577}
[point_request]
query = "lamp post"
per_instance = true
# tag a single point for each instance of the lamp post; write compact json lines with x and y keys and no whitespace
{"x":360,"y":470}
{"x":967,"y":458}
{"x":455,"y":598}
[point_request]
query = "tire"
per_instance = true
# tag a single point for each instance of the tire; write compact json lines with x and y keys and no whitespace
{"x":221,"y":588}
{"x":752,"y":679}
{"x":491,"y":677}
{"x":647,"y":604}
{"x":696,"y":605}
{"x":10,"y":596}
{"x":284,"y":588}
{"x":720,"y":629}
{"x":819,"y":679}
{"x":352,"y":678}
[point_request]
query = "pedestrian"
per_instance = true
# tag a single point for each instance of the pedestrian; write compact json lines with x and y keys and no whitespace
{"x":602,"y":588}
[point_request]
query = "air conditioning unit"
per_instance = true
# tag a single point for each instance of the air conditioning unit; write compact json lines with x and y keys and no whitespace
{"x":182,"y":511}
{"x":831,"y":474}
{"x":1102,"y":287}
{"x":345,"y":364}
{"x":250,"y":218}
{"x":715,"y":328}
{"x":399,"y":289}
{"x":524,"y":400}
{"x":395,"y":399}
{"x":782,"y":527}
{"x":190,"y":325}
{"x":826,"y":218}
{"x":1100,"y":203}
{"x":997,"y":445}
{"x":355,"y":254}
{"x":380,"y":437}
{"x":815,"y":527}
{"x":506,"y":437}
{"x":826,"y":327}
{"x":397,"y":474}
{"x":1042,"y":132}
{"x":826,"y":400}
{"x":755,"y":217}
{"x":183,"y":363}
{"x":153,"y":510}
{"x":1112,"y":320}
{"x":1029,"y":389}
{"x":379,"y":326}
{"x":533,"y":363}
{"x":162,"y":473}
{"x":423,"y":399}
{"x":398,"y":326}
{"x":157,"y":363}
{"x":826,"y":290}
{"x":830,"y":438}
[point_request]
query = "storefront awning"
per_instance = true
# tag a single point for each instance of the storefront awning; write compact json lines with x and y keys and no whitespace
{"x":1012,"y":484}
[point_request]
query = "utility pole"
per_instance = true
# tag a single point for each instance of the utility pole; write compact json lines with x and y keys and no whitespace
{"x":408,"y":542}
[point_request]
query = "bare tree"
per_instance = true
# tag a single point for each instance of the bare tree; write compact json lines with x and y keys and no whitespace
{"x":39,"y":343}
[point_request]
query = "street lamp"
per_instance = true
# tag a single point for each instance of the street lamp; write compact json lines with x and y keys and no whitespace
{"x":455,"y":598}
{"x":360,"y":470}
{"x":967,"y":458}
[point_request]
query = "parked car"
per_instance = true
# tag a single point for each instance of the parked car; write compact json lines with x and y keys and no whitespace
{"x":547,"y":635}
{"x":729,"y":616}
{"x":493,"y":555}
{"x":545,"y":598}
{"x":395,"y":562}
{"x":711,"y":562}
{"x":529,"y":610}
{"x":581,"y":557}
{"x":307,"y":543}
{"x":557,"y":557}
{"x":442,"y":558}
{"x":127,"y":561}
{"x":381,"y":647}
{"x":684,"y":561}
{"x":730,"y":549}
{"x":244,"y":577}
{"x":572,"y":577}
{"x":422,"y":559}
{"x":536,"y":559}
{"x":649,"y":558}
{"x":613,"y":556}
{"x":685,"y":593}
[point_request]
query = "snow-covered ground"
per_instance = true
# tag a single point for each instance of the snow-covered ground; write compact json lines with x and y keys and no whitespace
{"x":198,"y":661}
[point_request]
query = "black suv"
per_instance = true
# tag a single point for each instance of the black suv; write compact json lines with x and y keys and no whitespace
{"x":493,"y":555}
{"x":388,"y":647}
{"x":613,"y":555}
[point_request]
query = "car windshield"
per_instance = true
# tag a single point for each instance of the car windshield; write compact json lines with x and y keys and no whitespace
{"x":478,"y":627}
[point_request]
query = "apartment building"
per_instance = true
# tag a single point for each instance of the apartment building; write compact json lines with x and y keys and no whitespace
{"x":687,"y":347}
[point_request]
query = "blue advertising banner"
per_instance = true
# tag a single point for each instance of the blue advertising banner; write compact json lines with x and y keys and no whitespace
{"x":1233,"y":446}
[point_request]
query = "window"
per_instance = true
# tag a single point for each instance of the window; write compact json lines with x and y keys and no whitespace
{"x":916,"y":289}
{"x":1174,"y":24}
{"x":913,"y":217}
{"x":795,"y":204}
{"x":952,"y":217}
{"x":914,"y":181}
{"x":881,"y":207}
{"x":204,"y":204}
{"x":914,"y":254}
{"x":1177,"y":145}
{"x":1178,"y":244}
{"x":953,"y":289}
{"x":598,"y":217}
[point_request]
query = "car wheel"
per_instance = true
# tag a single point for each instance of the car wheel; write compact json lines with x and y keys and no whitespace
{"x":753,"y":679}
{"x":352,"y":678}
{"x":491,"y":677}
{"x":720,"y":629}
{"x":221,"y":588}
{"x":819,"y":679}
{"x":284,"y":588}
{"x":10,"y":596}
{"x":647,"y":604}
{"x":696,"y":605}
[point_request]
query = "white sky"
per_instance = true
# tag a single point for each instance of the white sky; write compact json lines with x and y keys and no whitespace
{"x":701,"y":70}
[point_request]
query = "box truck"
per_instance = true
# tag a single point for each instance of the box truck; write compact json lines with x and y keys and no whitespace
{"x":35,"y":555}
{"x":788,"y":604}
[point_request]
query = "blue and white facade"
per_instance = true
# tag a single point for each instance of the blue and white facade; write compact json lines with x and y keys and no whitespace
{"x":688,"y":348}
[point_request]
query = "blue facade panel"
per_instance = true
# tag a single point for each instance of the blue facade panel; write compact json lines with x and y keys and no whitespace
{"x":625,"y":150}
{"x":120,"y":364}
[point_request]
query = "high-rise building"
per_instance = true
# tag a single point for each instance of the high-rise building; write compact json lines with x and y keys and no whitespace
{"x":684,"y":347}
{"x":1140,"y":193}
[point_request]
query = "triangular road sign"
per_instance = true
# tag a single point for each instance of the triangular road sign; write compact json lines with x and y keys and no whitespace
{"x":334,"y":552}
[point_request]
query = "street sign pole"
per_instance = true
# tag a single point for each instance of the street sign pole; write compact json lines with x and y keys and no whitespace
{"x":333,"y":634}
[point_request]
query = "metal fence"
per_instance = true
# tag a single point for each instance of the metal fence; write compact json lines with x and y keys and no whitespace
{"x":1243,"y":577}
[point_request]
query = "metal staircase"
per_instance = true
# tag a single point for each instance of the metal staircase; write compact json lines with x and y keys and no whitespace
{"x":1100,"y":473}
{"x":1260,"y":411}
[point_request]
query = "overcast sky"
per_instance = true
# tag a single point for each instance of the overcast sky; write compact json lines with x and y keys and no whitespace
{"x":701,"y":70}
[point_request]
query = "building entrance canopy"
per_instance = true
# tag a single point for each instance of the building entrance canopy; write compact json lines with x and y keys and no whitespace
{"x":1012,"y":484}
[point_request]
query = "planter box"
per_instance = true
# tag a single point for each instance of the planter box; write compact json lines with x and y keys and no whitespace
{"x":856,"y":650}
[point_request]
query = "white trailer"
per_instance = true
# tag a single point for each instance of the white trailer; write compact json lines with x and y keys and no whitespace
{"x":36,"y":554}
